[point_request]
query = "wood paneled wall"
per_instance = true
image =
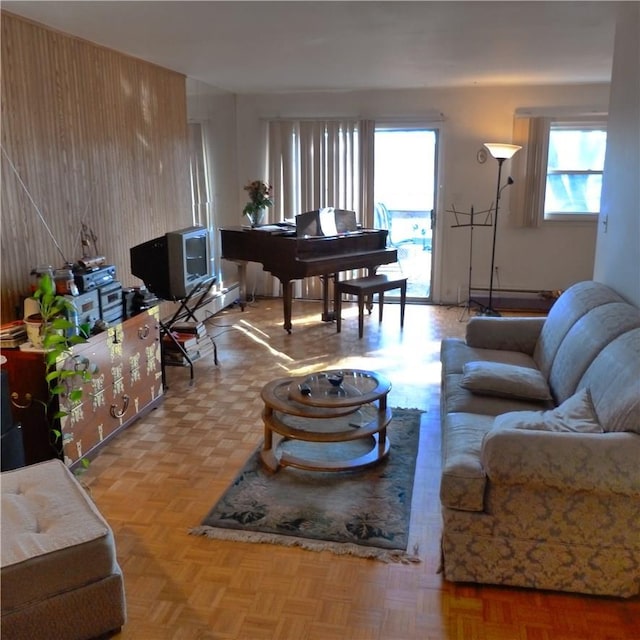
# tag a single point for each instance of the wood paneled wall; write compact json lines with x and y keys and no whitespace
{"x":95,"y":137}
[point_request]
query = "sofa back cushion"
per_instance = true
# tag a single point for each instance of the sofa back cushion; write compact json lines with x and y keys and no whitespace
{"x":566,"y":311}
{"x":584,"y":341}
{"x":613,"y":380}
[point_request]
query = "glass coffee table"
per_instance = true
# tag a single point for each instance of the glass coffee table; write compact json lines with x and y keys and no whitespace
{"x":329,"y":421}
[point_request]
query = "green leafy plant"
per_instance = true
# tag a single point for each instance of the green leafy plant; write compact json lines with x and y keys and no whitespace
{"x":59,"y":335}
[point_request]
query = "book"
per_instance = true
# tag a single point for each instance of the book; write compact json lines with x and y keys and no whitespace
{"x":195,"y":328}
{"x":13,"y":329}
{"x":13,"y":334}
{"x":185,"y":340}
{"x":13,"y":343}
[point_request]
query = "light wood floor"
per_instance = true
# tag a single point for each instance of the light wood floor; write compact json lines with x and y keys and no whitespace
{"x":162,"y":475}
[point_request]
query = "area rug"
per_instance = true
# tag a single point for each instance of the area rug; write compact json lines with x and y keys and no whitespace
{"x":361,"y":512}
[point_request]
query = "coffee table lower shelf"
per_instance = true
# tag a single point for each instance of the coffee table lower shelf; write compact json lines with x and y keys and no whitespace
{"x":278,"y":434}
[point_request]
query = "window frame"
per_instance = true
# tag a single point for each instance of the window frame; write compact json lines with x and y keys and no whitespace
{"x":566,"y":124}
{"x":531,"y":128}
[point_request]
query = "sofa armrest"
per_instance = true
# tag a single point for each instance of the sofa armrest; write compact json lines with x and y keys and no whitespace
{"x":594,"y":462}
{"x":511,"y":334}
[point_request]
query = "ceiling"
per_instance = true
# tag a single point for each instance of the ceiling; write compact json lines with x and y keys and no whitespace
{"x":250,"y":47}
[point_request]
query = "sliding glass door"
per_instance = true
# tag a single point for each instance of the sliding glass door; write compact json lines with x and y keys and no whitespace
{"x":404,"y":192}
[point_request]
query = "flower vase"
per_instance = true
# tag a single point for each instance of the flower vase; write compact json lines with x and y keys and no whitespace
{"x":255,"y":218}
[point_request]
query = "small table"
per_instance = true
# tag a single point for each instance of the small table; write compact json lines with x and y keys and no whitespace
{"x":336,"y":421}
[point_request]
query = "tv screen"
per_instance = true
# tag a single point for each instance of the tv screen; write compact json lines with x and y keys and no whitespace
{"x":173,"y":265}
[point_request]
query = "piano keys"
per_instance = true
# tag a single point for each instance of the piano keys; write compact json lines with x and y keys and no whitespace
{"x":290,"y":257}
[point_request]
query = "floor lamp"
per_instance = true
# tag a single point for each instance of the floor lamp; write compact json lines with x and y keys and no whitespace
{"x":500,"y":152}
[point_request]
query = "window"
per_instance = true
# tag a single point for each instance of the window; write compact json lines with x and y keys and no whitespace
{"x":558,"y":174}
{"x":575,"y":163}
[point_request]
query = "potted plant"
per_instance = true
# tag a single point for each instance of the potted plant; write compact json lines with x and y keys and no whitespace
{"x":259,"y":200}
{"x":58,"y":335}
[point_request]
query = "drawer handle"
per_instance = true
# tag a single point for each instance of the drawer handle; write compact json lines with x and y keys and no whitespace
{"x":27,"y":397}
{"x":114,"y":409}
{"x":81,"y":364}
{"x":143,"y":332}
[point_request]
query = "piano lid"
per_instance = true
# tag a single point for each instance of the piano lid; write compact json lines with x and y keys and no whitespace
{"x":325,"y":222}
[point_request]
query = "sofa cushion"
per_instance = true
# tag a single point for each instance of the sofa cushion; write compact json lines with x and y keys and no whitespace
{"x":613,"y":379}
{"x":455,"y":398}
{"x":566,"y":311}
{"x":584,"y":341}
{"x":504,"y":334}
{"x":455,"y":353}
{"x":504,"y":380}
{"x":574,"y":414}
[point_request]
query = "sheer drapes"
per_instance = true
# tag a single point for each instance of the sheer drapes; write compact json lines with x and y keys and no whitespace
{"x":321,"y":163}
{"x":529,"y":169}
{"x":367,"y":137}
{"x":198,"y":171}
{"x":201,"y":201}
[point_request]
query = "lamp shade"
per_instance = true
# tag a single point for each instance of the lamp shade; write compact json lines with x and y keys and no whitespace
{"x":502,"y":151}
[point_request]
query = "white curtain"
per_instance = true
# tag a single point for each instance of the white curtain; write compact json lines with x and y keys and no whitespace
{"x":321,"y":163}
{"x":367,"y":138}
{"x":202,"y":205}
{"x":198,"y":170}
{"x":529,"y":169}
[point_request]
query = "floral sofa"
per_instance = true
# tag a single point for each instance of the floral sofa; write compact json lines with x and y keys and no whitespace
{"x":541,"y":448}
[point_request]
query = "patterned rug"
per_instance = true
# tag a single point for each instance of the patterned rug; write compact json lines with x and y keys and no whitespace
{"x":361,"y":512}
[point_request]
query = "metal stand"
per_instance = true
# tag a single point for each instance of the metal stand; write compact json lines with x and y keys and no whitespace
{"x":196,"y":299}
{"x":466,"y":309}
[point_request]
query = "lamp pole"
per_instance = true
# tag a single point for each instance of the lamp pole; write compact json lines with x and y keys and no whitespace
{"x":500,"y":152}
{"x":490,"y":308}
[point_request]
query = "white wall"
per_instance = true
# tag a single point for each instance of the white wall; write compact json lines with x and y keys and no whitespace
{"x":551,"y":257}
{"x":216,"y":111}
{"x":618,"y":246}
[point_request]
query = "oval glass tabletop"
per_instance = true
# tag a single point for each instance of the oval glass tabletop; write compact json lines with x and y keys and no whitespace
{"x":277,"y":395}
{"x":339,"y":388}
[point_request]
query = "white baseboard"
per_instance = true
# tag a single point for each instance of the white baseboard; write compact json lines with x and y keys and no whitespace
{"x":220,"y":300}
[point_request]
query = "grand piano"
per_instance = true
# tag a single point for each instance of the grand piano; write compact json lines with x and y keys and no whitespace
{"x":292,"y":253}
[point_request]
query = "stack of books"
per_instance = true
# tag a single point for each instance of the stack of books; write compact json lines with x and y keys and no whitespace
{"x":188,"y":336}
{"x":193,"y":328}
{"x":13,"y":334}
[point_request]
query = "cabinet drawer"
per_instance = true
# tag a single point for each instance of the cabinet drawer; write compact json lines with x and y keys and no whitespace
{"x":128,"y":380}
{"x":141,"y":369}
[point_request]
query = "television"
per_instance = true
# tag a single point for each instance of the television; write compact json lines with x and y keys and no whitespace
{"x":173,"y":265}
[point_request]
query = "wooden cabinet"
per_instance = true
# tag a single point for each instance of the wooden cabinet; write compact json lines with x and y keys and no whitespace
{"x":128,"y":381}
{"x":28,"y":389}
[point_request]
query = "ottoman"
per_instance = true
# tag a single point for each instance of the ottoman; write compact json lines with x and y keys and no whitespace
{"x":60,"y":577}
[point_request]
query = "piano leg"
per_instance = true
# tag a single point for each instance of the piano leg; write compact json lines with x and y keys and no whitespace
{"x":327,"y":316}
{"x":287,"y":295}
{"x":242,"y":282}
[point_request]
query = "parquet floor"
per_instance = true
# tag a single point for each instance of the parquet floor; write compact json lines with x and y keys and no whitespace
{"x":161,"y":476}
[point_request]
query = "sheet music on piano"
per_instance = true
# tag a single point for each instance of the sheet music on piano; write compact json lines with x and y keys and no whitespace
{"x":325,"y":222}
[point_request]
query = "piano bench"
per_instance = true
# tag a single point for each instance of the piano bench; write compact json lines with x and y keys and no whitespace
{"x":364,"y":289}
